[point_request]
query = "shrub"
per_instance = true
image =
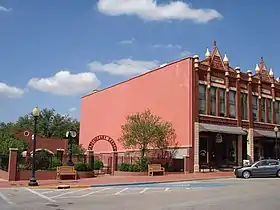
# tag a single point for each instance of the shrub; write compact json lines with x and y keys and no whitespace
{"x":55,"y":162}
{"x":82,"y":167}
{"x":124,"y":167}
{"x":98,"y":165}
{"x":129,"y":167}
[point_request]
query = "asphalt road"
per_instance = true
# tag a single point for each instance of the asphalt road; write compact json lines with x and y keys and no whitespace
{"x":226,"y":194}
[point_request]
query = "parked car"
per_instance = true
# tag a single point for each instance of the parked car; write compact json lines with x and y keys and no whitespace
{"x":262,"y":168}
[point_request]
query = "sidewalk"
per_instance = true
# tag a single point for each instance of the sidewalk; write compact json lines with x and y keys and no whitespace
{"x":103,"y":180}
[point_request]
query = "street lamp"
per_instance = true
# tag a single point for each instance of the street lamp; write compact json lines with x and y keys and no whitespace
{"x":276,"y":143}
{"x":36,"y":114}
{"x":70,"y":135}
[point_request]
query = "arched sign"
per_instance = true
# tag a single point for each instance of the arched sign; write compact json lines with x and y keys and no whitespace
{"x":102,"y":137}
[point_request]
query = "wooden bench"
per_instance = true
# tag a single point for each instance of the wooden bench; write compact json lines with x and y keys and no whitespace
{"x":155,"y":168}
{"x":65,"y":171}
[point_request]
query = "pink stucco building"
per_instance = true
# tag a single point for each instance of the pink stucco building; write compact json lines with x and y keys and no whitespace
{"x":166,"y":91}
{"x":222,"y":115}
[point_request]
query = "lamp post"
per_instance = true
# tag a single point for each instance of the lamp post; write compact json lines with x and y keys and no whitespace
{"x":276,"y":143}
{"x":36,"y":114}
{"x":70,"y":135}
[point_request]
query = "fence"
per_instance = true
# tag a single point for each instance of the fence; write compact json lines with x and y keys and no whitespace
{"x":47,"y":161}
{"x":4,"y":162}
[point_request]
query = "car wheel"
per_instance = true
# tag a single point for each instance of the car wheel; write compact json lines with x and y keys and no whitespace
{"x":246,"y":174}
{"x":278,"y":173}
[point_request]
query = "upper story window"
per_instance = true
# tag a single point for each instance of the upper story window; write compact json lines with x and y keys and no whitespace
{"x":222,"y":103}
{"x":244,"y":108}
{"x":263,"y":108}
{"x":213,"y":100}
{"x":232,"y":103}
{"x":202,"y":99}
{"x":255,"y":107}
{"x":277,"y":110}
{"x":269,"y":110}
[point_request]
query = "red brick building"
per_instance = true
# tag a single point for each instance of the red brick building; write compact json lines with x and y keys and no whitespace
{"x":49,"y":144}
{"x":221,"y":114}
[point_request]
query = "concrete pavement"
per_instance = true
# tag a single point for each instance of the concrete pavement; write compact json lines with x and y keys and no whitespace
{"x":228,"y":194}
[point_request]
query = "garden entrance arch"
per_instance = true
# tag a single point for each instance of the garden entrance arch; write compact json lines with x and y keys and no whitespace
{"x":113,"y":160}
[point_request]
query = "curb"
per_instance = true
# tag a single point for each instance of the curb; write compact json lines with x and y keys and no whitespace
{"x":66,"y":186}
{"x":157,"y":182}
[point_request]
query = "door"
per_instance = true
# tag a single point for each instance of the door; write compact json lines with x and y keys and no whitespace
{"x":261,"y":168}
{"x":273,"y":167}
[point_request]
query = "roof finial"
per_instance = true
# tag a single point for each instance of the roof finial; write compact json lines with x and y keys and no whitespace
{"x":207,"y":54}
{"x":257,"y":69}
{"x":262,"y":59}
{"x":215,"y":43}
{"x":225,"y":60}
{"x":271,"y":72}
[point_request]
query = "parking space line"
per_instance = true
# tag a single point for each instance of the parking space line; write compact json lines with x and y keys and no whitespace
{"x":166,"y":189}
{"x":144,"y":190}
{"x":40,"y":195}
{"x":97,"y":191}
{"x":69,"y":192}
{"x":47,"y":192}
{"x":117,"y":193}
{"x":7,"y":200}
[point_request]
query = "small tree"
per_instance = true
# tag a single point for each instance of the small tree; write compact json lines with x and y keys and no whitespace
{"x":146,"y":131}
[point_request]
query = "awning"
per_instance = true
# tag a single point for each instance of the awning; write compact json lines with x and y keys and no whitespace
{"x":264,"y":133}
{"x":203,"y":127}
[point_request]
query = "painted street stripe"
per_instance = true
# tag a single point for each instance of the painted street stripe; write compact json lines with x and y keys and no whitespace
{"x":117,"y":193}
{"x":6,"y":199}
{"x":144,"y":190}
{"x":69,"y":192}
{"x":166,"y":189}
{"x":97,"y":191}
{"x":40,"y":195}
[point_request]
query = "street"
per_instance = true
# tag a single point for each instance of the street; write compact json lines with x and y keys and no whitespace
{"x":228,"y":194}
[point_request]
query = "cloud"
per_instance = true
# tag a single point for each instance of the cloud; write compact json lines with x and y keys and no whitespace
{"x":73,"y":109}
{"x":168,"y":46}
{"x":129,"y":41}
{"x":65,"y":83}
{"x":123,"y":66}
{"x":4,"y":9}
{"x":185,"y":54}
{"x":151,"y":10}
{"x":10,"y":91}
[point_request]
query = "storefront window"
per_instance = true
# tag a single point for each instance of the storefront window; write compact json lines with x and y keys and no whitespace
{"x":269,"y":111}
{"x":263,"y":117}
{"x":244,"y":110}
{"x":232,"y":103}
{"x":213,"y":100}
{"x":277,"y":110}
{"x":202,"y":99}
{"x":222,"y":103}
{"x":255,"y":107}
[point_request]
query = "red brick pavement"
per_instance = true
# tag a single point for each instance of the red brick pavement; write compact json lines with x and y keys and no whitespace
{"x":123,"y":179}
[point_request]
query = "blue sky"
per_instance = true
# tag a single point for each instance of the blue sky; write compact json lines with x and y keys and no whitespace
{"x":53,"y":52}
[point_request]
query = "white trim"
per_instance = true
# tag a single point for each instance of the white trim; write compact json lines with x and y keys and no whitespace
{"x":244,"y":91}
{"x":202,"y":82}
{"x":218,"y":85}
{"x":255,"y":94}
{"x":266,"y":96}
{"x":232,"y":88}
{"x":40,"y":149}
{"x":217,"y":117}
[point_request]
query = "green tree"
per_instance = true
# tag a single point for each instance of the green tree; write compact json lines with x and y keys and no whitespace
{"x":8,"y":140}
{"x":145,"y":131}
{"x":50,"y":124}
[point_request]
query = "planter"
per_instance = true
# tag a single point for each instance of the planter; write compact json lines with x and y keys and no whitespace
{"x":128,"y":173}
{"x":85,"y":174}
